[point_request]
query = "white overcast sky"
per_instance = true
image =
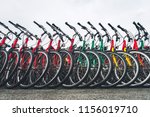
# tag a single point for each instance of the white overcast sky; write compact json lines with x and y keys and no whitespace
{"x":122,"y":12}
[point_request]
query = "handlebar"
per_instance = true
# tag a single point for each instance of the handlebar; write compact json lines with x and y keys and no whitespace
{"x":144,"y":30}
{"x":97,"y":32}
{"x":7,"y":28}
{"x":85,"y":28}
{"x":73,"y":28}
{"x":23,"y":28}
{"x":137,"y":27}
{"x":57,"y":33}
{"x":15,"y":33}
{"x":117,"y":34}
{"x":107,"y":34}
{"x":42,"y":27}
{"x":129,"y":35}
{"x":21,"y":31}
{"x":61,"y":32}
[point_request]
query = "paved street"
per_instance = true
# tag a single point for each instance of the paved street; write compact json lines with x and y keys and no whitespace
{"x":71,"y":94}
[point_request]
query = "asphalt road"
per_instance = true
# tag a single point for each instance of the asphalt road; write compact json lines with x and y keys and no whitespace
{"x":73,"y":94}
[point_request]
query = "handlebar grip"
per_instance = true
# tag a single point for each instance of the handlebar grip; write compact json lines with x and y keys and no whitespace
{"x":134,"y":23}
{"x":37,"y":24}
{"x":141,"y":26}
{"x":51,"y":26}
{"x":69,"y":25}
{"x":12,"y":23}
{"x":102,"y":27}
{"x":112,"y":27}
{"x":1,"y":23}
{"x":122,"y":28}
{"x":4,"y":25}
{"x":79,"y":24}
{"x":89,"y":23}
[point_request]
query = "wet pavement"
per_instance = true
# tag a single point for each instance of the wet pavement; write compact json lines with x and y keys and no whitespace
{"x":76,"y":94}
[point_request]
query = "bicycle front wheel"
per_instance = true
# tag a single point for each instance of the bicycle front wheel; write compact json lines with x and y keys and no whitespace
{"x":119,"y":70}
{"x":81,"y":66}
{"x":37,"y":71}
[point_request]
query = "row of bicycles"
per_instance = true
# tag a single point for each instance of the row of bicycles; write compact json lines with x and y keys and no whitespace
{"x":93,"y":59}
